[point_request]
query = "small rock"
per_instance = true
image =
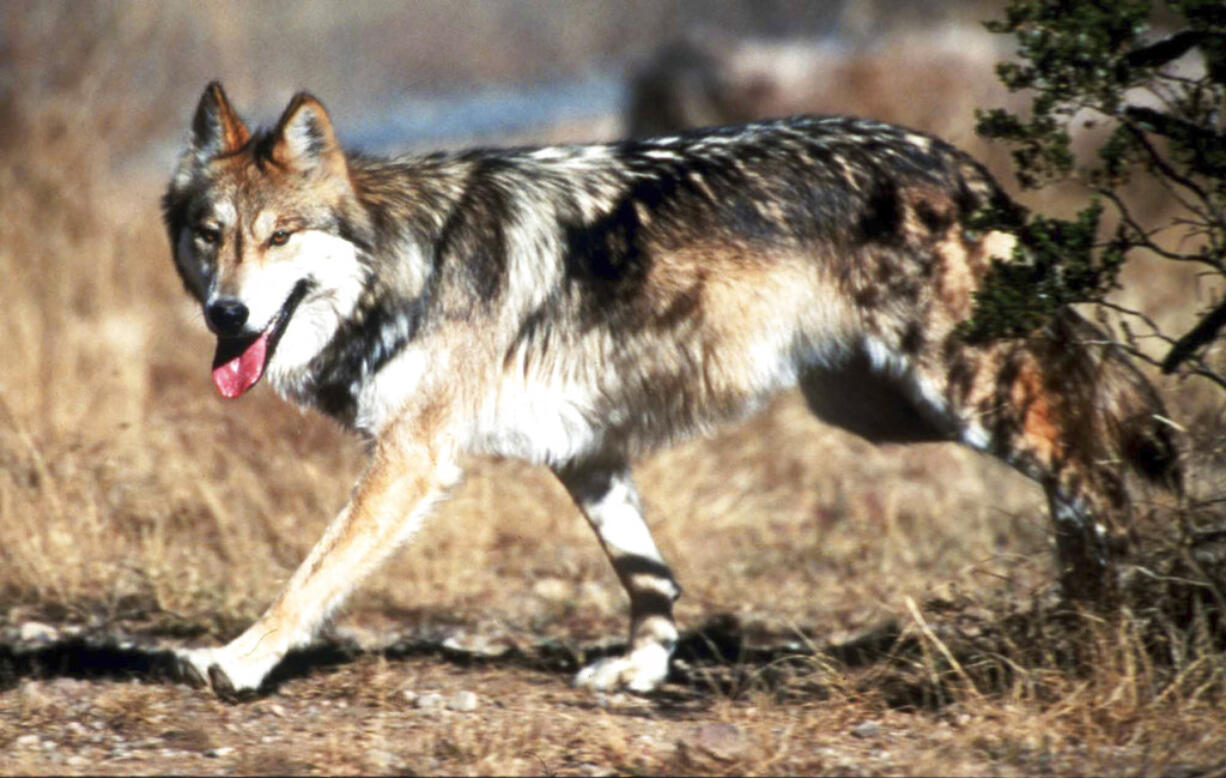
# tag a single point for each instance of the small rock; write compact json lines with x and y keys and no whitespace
{"x":477,"y":644}
{"x":37,"y":632}
{"x":429,"y":701}
{"x":463,"y":701}
{"x":216,"y":753}
{"x":606,"y":701}
{"x":49,"y":745}
{"x":866,"y":729}
{"x":76,"y":761}
{"x":26,"y":741}
{"x":188,"y":739}
{"x":719,"y":739}
{"x":276,"y":710}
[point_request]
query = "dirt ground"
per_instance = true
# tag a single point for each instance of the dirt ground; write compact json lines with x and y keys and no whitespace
{"x":465,"y":702}
{"x":848,"y":609}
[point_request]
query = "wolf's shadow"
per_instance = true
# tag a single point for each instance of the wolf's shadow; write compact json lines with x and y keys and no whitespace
{"x":716,"y":657}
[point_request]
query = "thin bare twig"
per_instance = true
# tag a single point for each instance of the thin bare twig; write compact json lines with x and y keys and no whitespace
{"x":940,"y":645}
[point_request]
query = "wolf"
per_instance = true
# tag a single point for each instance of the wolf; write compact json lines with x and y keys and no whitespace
{"x":577,"y":306}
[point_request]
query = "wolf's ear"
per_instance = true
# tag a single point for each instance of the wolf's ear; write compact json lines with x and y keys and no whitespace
{"x":304,"y":138}
{"x":217,"y":128}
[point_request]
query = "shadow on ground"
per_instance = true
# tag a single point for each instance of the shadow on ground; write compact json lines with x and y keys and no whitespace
{"x":719,"y":657}
{"x":962,"y":647}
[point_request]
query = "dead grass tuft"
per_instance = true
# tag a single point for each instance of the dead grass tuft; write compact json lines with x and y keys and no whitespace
{"x":907,"y":587}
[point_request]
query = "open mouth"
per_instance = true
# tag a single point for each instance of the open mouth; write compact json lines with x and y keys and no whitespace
{"x":239,"y":363}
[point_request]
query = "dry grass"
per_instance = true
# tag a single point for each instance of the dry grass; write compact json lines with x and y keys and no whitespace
{"x":130,"y":494}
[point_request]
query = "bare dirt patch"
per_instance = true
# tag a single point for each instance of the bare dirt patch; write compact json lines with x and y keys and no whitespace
{"x":469,"y":702}
{"x":849,"y":609}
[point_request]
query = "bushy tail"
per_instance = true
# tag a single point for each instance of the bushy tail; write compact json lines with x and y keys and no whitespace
{"x":1123,"y":411}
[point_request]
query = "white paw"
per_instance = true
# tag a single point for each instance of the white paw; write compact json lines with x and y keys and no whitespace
{"x":192,"y":665}
{"x":641,"y":671}
{"x":230,"y":678}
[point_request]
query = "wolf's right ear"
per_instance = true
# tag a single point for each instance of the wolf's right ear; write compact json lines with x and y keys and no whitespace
{"x":217,"y":128}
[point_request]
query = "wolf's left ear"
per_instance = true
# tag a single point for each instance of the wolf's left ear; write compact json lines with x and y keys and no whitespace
{"x":304,"y":138}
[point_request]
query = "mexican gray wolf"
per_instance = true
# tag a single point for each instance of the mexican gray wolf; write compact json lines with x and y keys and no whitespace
{"x":577,"y":306}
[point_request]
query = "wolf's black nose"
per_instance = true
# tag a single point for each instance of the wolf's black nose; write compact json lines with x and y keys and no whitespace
{"x":226,"y":316}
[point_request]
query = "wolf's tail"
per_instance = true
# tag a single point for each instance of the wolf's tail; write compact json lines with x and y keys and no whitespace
{"x":1118,"y":406}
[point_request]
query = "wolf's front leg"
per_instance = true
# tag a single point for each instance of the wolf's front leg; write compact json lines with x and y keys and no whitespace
{"x":400,"y":486}
{"x":606,"y":495}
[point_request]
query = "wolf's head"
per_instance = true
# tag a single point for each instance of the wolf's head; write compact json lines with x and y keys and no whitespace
{"x":267,"y":233}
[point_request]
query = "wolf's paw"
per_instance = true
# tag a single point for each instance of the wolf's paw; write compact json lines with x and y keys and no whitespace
{"x":231,"y":681}
{"x":640,"y":671}
{"x":192,"y":667}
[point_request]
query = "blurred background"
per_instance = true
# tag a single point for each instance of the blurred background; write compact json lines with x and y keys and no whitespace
{"x":433,"y":72}
{"x":129,"y":490}
{"x":134,"y":500}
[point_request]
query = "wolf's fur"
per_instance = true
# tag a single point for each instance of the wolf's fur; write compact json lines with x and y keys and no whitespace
{"x":576,"y":306}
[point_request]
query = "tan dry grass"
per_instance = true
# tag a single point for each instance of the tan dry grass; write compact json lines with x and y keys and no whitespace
{"x":127,"y":488}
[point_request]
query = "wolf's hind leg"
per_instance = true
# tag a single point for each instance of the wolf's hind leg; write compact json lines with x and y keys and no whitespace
{"x":606,"y":495}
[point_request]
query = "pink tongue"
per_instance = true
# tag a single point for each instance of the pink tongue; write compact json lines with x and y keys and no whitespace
{"x":235,"y":375}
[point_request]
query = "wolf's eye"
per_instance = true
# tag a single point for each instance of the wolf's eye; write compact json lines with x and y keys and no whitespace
{"x":279,"y":238}
{"x":208,"y":235}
